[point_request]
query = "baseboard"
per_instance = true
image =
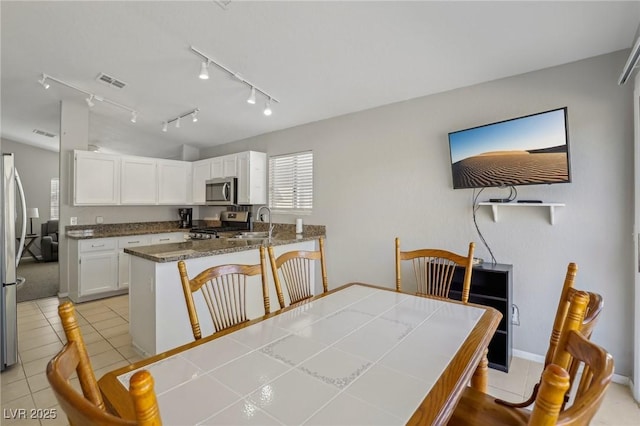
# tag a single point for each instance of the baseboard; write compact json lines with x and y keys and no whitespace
{"x":63,"y":295}
{"x":617,"y":378}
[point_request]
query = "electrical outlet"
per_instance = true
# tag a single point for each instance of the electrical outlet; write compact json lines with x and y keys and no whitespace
{"x":99,"y":219}
{"x":73,"y":220}
{"x":515,"y":315}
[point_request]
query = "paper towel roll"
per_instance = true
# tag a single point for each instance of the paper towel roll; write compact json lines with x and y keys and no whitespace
{"x":298,"y":226}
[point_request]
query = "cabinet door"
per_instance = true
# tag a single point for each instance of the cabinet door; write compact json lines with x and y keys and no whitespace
{"x":252,"y":179}
{"x":98,"y":272}
{"x":201,"y":173}
{"x":217,"y":168}
{"x":173,"y":178}
{"x":96,"y":179}
{"x":124,"y":259}
{"x":230,"y":166}
{"x":139,"y":181}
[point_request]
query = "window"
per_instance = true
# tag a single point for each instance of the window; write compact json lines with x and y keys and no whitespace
{"x":54,"y":205}
{"x":291,"y":183}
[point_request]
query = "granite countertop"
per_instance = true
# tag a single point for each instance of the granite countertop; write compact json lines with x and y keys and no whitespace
{"x":172,"y":252}
{"x":85,"y":232}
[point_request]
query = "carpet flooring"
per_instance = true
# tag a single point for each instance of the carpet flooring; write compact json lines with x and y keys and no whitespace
{"x":42,"y":279}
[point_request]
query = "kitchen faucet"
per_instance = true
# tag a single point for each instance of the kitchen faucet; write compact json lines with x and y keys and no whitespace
{"x":261,"y":219}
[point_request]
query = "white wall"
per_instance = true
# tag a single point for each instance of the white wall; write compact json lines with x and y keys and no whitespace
{"x":385,"y":172}
{"x":36,"y":167}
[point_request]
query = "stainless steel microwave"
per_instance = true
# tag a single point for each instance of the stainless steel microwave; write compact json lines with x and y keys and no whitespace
{"x":221,"y":192}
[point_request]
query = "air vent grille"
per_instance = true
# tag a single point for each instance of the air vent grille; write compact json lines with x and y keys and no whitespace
{"x":110,"y":81}
{"x":43,"y":133}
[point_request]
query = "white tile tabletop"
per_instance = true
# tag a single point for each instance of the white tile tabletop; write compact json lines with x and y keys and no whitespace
{"x":360,"y":355}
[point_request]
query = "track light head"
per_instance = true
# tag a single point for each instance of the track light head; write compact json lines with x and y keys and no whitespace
{"x":267,"y":108}
{"x":194,"y":116}
{"x":43,"y":81}
{"x":252,"y":96}
{"x":90,"y":101}
{"x":134,"y":116}
{"x":178,"y":123}
{"x":204,"y":71}
{"x":165,"y":126}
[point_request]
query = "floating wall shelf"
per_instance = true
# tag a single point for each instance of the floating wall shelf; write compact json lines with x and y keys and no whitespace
{"x":550,"y":206}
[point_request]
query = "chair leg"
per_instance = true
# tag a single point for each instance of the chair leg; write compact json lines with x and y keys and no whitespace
{"x":480,"y":378}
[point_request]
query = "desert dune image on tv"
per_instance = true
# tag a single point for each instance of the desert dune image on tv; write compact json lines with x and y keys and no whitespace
{"x":523,"y":151}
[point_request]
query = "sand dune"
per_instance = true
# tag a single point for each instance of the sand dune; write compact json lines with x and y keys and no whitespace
{"x":503,"y":168}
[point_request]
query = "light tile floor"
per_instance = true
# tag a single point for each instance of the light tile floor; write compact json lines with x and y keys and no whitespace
{"x":105,"y":325}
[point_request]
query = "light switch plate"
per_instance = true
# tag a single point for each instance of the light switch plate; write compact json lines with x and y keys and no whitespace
{"x":73,"y":220}
{"x":99,"y":219}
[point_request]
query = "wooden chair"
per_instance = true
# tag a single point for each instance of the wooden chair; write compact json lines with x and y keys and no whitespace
{"x":295,"y":268}
{"x":434,"y":270}
{"x":224,"y":289}
{"x":88,"y":408}
{"x":592,"y":314}
{"x":574,"y":349}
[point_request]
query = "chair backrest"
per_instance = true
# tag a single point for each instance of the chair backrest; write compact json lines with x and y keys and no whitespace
{"x":434,"y":269}
{"x":295,"y":268}
{"x":224,"y":289}
{"x":89,"y":408}
{"x":592,"y":314}
{"x":593,"y":374}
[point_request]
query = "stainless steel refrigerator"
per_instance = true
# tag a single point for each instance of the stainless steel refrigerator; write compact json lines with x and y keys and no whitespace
{"x":13,"y":205}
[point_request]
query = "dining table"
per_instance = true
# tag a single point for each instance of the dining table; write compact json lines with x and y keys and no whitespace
{"x":357,"y":354}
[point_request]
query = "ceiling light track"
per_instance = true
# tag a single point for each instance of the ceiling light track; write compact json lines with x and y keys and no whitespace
{"x":204,"y":74}
{"x":90,"y":96}
{"x":194,"y":118}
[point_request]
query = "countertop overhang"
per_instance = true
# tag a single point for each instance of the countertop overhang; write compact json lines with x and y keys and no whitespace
{"x":173,"y":252}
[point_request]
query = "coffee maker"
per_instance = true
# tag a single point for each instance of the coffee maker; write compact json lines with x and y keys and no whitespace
{"x":185,"y":218}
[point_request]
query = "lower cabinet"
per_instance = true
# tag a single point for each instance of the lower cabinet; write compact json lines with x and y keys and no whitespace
{"x":102,"y":268}
{"x":491,"y":285}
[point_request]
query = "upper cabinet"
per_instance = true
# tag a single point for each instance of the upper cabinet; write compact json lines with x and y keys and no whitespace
{"x":105,"y":179}
{"x":139,"y":182}
{"x":174,"y":182}
{"x":252,"y":178}
{"x":96,"y":179}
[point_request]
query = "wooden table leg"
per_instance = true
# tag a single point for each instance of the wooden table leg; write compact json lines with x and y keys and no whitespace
{"x":480,"y":379}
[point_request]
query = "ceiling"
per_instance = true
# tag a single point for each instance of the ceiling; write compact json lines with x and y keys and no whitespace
{"x":319,"y":59}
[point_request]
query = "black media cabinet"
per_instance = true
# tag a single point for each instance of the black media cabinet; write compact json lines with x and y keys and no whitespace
{"x":491,"y":285}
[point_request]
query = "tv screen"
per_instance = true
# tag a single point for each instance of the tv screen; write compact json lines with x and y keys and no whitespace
{"x":529,"y":150}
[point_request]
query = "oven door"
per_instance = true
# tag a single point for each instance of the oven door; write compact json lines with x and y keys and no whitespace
{"x":221,"y":192}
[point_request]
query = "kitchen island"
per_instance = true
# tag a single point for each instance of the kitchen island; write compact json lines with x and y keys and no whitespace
{"x":158,"y":318}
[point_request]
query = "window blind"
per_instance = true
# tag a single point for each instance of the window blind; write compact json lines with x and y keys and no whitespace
{"x":291,"y":183}
{"x":54,"y":210}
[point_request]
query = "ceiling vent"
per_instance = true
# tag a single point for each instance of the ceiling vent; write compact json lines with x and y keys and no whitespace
{"x":223,"y":3}
{"x":110,"y":81}
{"x":43,"y":133}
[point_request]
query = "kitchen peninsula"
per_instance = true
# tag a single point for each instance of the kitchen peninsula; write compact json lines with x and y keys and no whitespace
{"x":158,"y":318}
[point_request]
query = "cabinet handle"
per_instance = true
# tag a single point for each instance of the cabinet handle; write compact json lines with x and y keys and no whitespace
{"x":133,"y":242}
{"x":164,"y":239}
{"x":93,"y":245}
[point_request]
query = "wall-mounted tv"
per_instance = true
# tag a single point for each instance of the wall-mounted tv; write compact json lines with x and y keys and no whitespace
{"x":529,"y":150}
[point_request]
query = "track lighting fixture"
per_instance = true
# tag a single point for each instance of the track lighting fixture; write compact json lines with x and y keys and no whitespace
{"x":204,"y":71}
{"x":90,"y":96}
{"x":267,"y":107}
{"x":252,"y":96}
{"x":193,"y":113}
{"x":43,"y":81}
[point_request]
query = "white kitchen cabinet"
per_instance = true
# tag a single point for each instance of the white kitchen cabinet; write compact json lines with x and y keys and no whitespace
{"x":96,"y":179}
{"x":201,"y":173}
{"x":139,"y":182}
{"x":124,"y":260}
{"x":252,"y":177}
{"x":174,"y":181}
{"x":225,"y":166}
{"x":97,"y":267}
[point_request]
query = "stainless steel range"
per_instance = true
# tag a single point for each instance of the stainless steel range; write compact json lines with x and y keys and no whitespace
{"x":230,"y":222}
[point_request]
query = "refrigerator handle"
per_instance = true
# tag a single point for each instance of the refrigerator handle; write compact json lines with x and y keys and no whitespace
{"x":23,"y":206}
